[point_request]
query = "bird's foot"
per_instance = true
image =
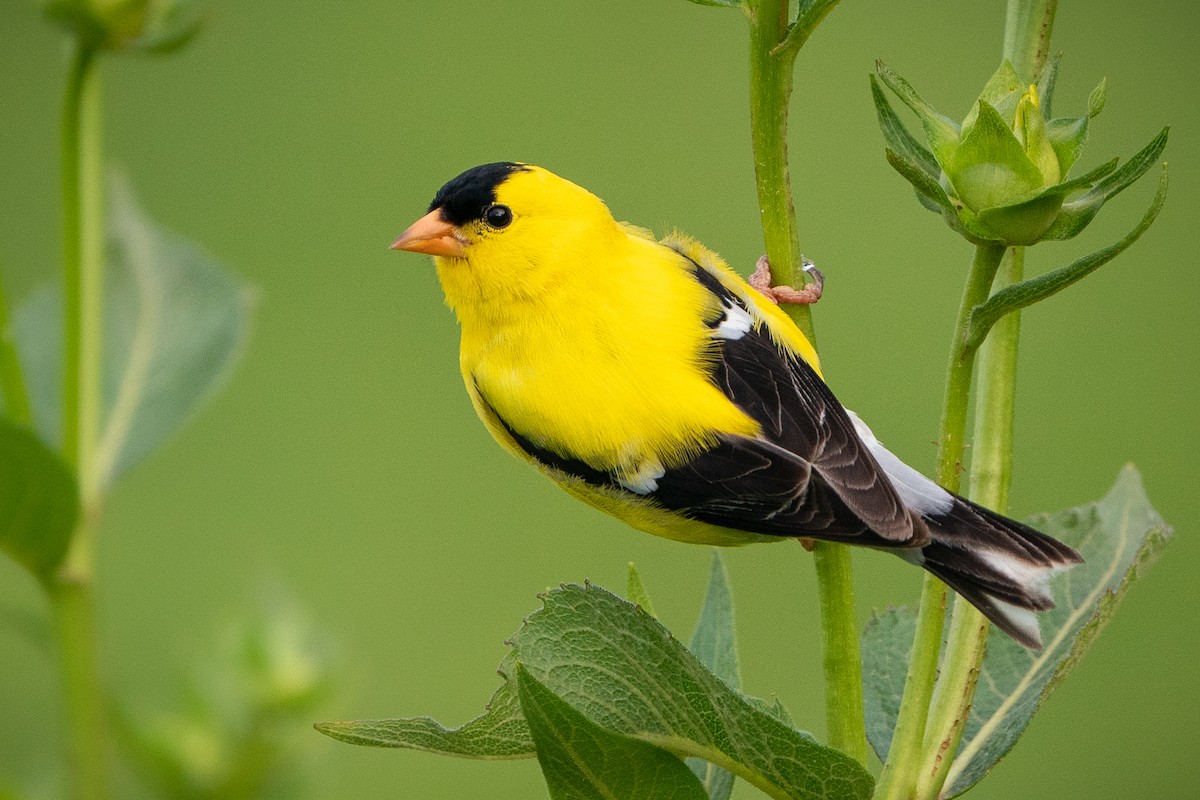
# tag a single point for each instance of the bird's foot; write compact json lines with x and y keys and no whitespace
{"x":811,"y":293}
{"x":806,"y":543}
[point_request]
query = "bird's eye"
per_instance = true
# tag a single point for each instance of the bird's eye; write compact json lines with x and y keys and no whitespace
{"x":498,"y":216}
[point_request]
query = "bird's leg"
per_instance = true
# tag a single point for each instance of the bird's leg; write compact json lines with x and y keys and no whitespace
{"x":811,"y":293}
{"x":807,"y":543}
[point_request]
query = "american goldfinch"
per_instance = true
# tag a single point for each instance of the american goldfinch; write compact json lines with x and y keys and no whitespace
{"x":649,"y":380}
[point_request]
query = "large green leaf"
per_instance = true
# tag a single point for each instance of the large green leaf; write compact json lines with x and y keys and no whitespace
{"x":582,"y":761}
{"x":626,"y":673}
{"x":1119,"y":537}
{"x":618,"y":667}
{"x":174,"y":323}
{"x":39,"y":502}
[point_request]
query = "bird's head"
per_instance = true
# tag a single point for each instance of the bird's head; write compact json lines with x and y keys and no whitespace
{"x":507,"y":227}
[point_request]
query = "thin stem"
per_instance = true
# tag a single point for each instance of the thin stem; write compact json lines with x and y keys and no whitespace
{"x":843,"y":664}
{"x":771,"y":75}
{"x":70,"y":591}
{"x":770,"y":89}
{"x":1027,"y":28}
{"x":12,"y":378}
{"x":991,"y":476}
{"x":901,"y":772}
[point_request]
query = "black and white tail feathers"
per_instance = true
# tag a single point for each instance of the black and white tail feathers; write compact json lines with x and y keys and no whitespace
{"x":1001,"y":566}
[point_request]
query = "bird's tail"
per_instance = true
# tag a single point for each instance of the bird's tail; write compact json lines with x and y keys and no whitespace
{"x":1001,"y":566}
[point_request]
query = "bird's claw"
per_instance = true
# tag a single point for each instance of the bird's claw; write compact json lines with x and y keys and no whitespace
{"x":809,"y":294}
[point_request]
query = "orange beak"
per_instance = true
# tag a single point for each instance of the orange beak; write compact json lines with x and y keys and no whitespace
{"x":433,"y":235}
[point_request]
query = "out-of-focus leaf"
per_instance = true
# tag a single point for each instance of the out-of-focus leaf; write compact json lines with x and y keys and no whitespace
{"x":39,"y":502}
{"x":1119,"y":535}
{"x":174,"y":323}
{"x":1077,"y":214}
{"x":1026,"y":293}
{"x":582,"y":761}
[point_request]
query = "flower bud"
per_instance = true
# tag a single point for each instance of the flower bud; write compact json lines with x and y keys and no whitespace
{"x":153,"y":26}
{"x":1001,"y":175}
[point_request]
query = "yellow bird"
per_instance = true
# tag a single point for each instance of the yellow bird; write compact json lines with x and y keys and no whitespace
{"x":649,"y":380}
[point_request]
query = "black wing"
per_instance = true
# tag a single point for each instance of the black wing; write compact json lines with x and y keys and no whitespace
{"x":808,"y":474}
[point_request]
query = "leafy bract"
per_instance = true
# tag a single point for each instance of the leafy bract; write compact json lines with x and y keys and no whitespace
{"x":174,"y":322}
{"x":39,"y":502}
{"x":582,"y":761}
{"x":1119,"y":536}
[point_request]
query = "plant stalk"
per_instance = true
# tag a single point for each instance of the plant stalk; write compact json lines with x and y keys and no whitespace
{"x":902,"y":771}
{"x":1027,"y":28}
{"x":771,"y":76}
{"x":991,"y":477}
{"x":70,"y":591}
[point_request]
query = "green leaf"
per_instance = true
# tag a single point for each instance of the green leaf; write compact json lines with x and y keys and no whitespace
{"x":1067,"y":136}
{"x":616,"y":665}
{"x":990,"y":168}
{"x":39,"y":502}
{"x":174,"y":323}
{"x":1120,"y":536}
{"x":637,"y":592}
{"x":714,"y":643}
{"x":499,"y":733}
{"x":941,"y":132}
{"x":1098,"y":98}
{"x":1077,"y":214}
{"x":1026,"y":293}
{"x":619,"y":667}
{"x":886,"y":643}
{"x":809,"y":15}
{"x":721,"y":3}
{"x":1003,"y":92}
{"x":898,"y":139}
{"x":1047,"y":79}
{"x":582,"y":761}
{"x":929,"y":191}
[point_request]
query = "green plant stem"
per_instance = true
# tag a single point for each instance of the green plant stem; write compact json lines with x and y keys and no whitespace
{"x":1028,"y":25}
{"x":902,"y":771}
{"x":771,"y":75}
{"x":70,"y":592}
{"x":842,"y":659}
{"x":991,"y":476}
{"x":12,"y":378}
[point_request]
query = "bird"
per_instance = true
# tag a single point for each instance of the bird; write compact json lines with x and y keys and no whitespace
{"x":649,"y":380}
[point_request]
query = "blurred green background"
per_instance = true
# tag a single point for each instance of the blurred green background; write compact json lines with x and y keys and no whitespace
{"x":343,"y":461}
